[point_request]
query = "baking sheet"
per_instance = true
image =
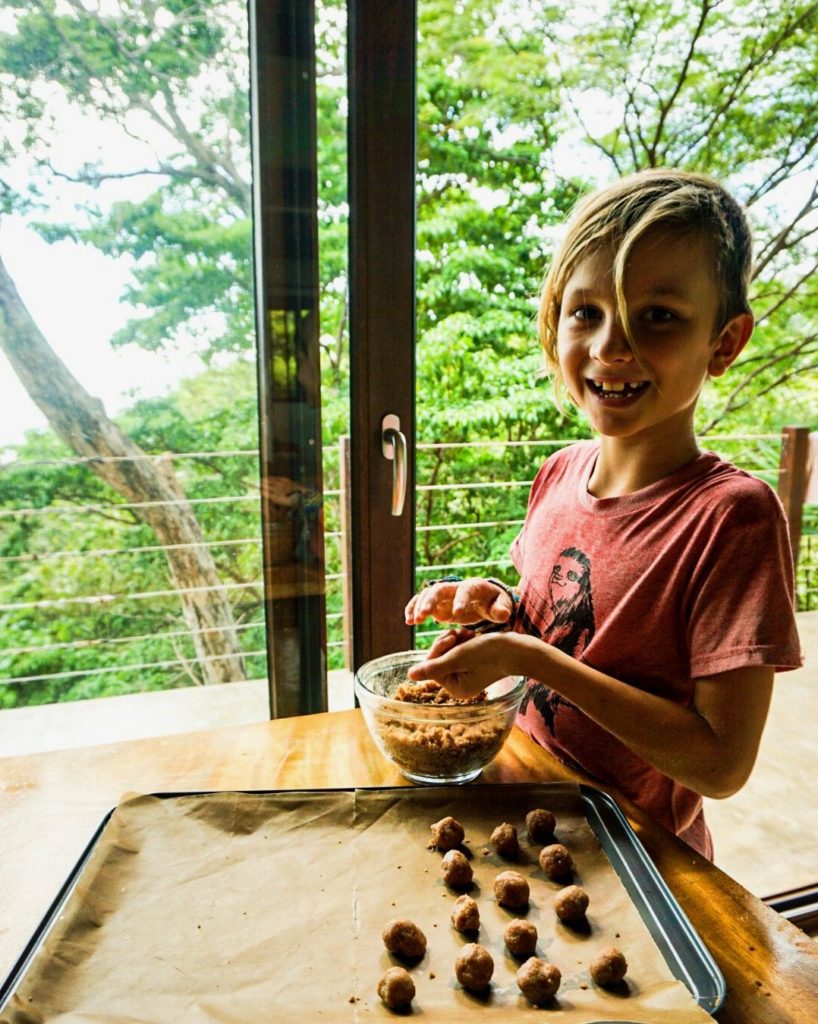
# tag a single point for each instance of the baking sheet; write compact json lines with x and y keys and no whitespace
{"x":242,"y":907}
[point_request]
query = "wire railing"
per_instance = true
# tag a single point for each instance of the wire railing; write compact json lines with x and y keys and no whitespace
{"x":53,"y":590}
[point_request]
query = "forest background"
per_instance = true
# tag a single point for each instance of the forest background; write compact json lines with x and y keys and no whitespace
{"x":521,"y":109}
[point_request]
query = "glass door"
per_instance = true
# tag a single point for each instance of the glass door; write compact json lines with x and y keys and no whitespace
{"x":376,"y":477}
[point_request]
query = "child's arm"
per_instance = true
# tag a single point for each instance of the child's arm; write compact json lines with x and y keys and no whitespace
{"x":709,"y":747}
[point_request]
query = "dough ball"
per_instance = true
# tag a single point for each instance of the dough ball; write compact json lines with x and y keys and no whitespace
{"x":457,"y":872}
{"x":511,"y":889}
{"x":447,"y":834}
{"x":538,"y":980}
{"x":396,"y":988}
{"x":540,"y":824}
{"x":556,"y":861}
{"x":505,"y":842}
{"x":571,"y":903}
{"x":404,"y":938}
{"x":474,"y":967}
{"x":465,"y":914}
{"x":609,"y":967}
{"x":520,"y":937}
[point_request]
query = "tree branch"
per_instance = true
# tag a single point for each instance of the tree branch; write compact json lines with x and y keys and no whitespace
{"x":779,"y":241}
{"x":800,"y":348}
{"x":757,"y":59}
{"x":681,"y":78}
{"x":788,"y":294}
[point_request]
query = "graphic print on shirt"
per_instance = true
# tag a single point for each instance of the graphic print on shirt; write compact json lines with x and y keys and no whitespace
{"x":568,"y":623}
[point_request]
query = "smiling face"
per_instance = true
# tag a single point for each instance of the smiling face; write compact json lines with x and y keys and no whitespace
{"x":672,"y":296}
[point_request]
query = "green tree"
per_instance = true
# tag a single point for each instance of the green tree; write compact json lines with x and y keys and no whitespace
{"x":725,"y":89}
{"x":177,"y":74}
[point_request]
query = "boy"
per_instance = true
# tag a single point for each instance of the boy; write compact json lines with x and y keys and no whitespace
{"x":656,"y":594}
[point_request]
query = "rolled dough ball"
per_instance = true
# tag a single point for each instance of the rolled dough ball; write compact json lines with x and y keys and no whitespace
{"x":511,"y":889}
{"x":447,"y":834}
{"x":609,"y":967}
{"x":466,"y":914}
{"x":571,"y":903}
{"x":556,"y":861}
{"x":457,"y":872}
{"x":396,"y":988}
{"x":404,"y":938}
{"x":474,"y":967}
{"x":520,"y":937}
{"x":504,"y":840}
{"x":538,"y":980}
{"x":540,"y":824}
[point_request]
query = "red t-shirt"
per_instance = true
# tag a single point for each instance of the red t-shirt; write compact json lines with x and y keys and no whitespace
{"x":686,"y":578}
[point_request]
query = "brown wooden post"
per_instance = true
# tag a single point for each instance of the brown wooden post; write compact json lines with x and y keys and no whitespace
{"x":382,"y":183}
{"x":346,"y":545}
{"x":792,"y":480}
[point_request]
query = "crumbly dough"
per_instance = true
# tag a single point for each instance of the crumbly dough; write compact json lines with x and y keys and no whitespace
{"x":474,"y":967}
{"x":556,"y":861}
{"x":447,"y":833}
{"x":538,"y":980}
{"x":609,"y":967}
{"x":396,"y":988}
{"x":431,"y":692}
{"x":457,"y":872}
{"x":505,"y":842}
{"x":440,"y":748}
{"x":540,"y":824}
{"x":511,"y":889}
{"x":403,"y":937}
{"x":465,"y":914}
{"x":571,"y":903}
{"x":520,"y":937}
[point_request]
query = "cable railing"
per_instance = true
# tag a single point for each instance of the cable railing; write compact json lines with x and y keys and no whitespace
{"x":51,"y":596}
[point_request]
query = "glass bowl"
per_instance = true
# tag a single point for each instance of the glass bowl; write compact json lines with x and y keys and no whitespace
{"x":434,"y":743}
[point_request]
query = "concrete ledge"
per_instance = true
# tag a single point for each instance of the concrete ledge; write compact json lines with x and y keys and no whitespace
{"x":84,"y":723}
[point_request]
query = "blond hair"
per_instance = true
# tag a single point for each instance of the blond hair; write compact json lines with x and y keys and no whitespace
{"x":617,"y":217}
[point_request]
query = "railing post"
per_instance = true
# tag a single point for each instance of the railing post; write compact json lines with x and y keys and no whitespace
{"x":792,"y":480}
{"x":346,"y":545}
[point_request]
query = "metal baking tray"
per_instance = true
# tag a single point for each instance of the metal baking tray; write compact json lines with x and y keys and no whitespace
{"x":686,"y":955}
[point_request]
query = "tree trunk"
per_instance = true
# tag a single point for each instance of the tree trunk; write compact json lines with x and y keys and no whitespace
{"x":80,"y":420}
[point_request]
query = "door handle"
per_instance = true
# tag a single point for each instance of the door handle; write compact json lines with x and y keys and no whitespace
{"x":393,"y":446}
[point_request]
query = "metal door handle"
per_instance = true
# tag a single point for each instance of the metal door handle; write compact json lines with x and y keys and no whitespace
{"x":393,"y":446}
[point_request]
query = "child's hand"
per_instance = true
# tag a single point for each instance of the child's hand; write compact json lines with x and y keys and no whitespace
{"x":464,"y":602}
{"x":464,"y":663}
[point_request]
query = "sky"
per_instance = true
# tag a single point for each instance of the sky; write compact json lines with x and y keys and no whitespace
{"x":72,"y":291}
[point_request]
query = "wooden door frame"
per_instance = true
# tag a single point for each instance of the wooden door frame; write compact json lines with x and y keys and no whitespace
{"x":285,"y":227}
{"x":382,"y":160}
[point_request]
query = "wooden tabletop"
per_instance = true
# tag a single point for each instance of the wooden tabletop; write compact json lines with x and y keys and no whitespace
{"x":50,"y":805}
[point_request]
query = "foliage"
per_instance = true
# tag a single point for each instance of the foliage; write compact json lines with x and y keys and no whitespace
{"x":521,"y":109}
{"x":726,"y":90}
{"x":88,"y":598}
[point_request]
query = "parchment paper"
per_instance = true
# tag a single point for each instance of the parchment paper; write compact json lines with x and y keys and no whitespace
{"x":236,"y":908}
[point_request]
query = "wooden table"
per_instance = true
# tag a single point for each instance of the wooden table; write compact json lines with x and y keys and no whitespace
{"x":50,"y":805}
